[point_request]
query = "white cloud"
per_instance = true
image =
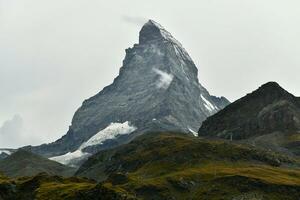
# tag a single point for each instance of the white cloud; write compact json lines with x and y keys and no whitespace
{"x":140,"y":21}
{"x":165,"y":79}
{"x":11,"y":131}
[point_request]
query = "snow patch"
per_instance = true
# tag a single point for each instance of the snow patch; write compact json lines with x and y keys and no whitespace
{"x":5,"y":151}
{"x":165,"y":79}
{"x":70,"y":157}
{"x":193,"y":132}
{"x":209,"y":106}
{"x":110,"y":132}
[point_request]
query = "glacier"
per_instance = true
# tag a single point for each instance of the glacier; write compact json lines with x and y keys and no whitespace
{"x":110,"y":132}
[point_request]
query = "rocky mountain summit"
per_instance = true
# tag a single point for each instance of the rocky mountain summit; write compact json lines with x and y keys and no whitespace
{"x":268,"y":117}
{"x":157,"y":89}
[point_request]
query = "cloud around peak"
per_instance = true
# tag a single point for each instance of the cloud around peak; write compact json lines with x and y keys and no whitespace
{"x":11,"y":130}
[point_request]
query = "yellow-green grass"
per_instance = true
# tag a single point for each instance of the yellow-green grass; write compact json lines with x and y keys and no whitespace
{"x":266,"y":173}
{"x":294,"y":137}
{"x":61,"y":191}
{"x":207,"y":177}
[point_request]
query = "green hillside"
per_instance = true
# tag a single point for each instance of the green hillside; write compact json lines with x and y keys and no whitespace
{"x":168,"y":166}
{"x":174,"y":166}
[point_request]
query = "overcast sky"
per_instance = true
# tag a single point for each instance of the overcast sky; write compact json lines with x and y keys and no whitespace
{"x":56,"y":53}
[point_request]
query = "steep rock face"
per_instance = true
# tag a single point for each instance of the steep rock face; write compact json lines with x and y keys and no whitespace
{"x":270,"y":116}
{"x":157,"y":89}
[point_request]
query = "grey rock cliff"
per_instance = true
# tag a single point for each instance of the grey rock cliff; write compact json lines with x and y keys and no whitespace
{"x":157,"y":89}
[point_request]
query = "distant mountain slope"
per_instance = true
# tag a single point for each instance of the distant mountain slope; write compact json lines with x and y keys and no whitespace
{"x":157,"y":89}
{"x":268,"y":117}
{"x":24,"y":163}
{"x":174,"y":166}
{"x":5,"y":153}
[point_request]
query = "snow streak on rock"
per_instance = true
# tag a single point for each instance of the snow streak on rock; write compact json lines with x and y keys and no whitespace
{"x":209,"y":106}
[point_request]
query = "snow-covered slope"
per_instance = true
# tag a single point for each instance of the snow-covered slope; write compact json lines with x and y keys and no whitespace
{"x":8,"y":152}
{"x":111,"y":132}
{"x":71,"y":158}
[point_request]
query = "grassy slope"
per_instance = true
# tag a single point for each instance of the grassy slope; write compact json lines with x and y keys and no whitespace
{"x":181,"y":167}
{"x":216,"y":180}
{"x":177,"y":151}
{"x":46,"y":187}
{"x":169,"y":166}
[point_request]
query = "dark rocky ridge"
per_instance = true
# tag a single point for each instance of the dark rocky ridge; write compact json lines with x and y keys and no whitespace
{"x":157,"y":89}
{"x":267,"y":115}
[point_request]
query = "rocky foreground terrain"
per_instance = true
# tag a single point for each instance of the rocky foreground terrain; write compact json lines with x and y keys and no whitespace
{"x":169,"y":166}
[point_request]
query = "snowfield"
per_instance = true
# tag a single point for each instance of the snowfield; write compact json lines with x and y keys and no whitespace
{"x":70,"y":158}
{"x":112,"y":131}
{"x":5,"y":151}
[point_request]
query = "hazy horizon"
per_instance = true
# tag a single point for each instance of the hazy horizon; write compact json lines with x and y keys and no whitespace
{"x":55,"y":54}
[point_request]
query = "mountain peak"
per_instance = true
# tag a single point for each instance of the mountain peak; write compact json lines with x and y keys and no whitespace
{"x":268,"y":109}
{"x":154,"y":24}
{"x":153,"y":31}
{"x":272,"y":89}
{"x":271,"y":86}
{"x":157,"y":89}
